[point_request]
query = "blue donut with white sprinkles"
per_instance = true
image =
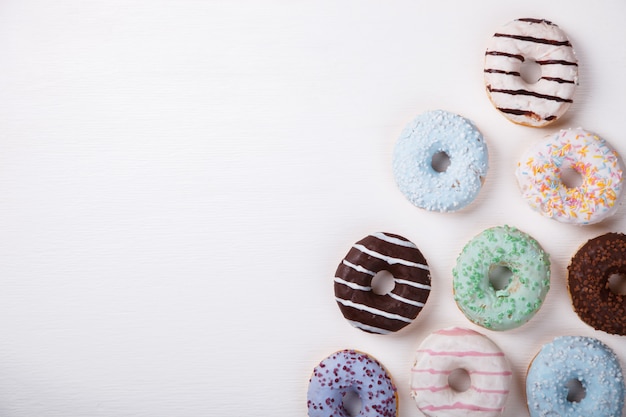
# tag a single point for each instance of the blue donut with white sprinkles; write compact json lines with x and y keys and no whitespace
{"x":419,"y":157}
{"x":571,"y":362}
{"x":349,"y":372}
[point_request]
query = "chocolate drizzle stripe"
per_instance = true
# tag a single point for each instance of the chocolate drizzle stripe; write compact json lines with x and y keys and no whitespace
{"x":530,"y":93}
{"x":527,"y":113}
{"x":558,"y":80}
{"x":358,"y":268}
{"x":363,"y":307}
{"x":368,"y":328}
{"x":498,"y":71}
{"x":390,"y":260}
{"x":517,"y":112}
{"x":531,"y":20}
{"x":506,"y":54}
{"x":352,"y":285}
{"x":556,"y":62}
{"x":533,"y":39}
{"x":412,"y":284}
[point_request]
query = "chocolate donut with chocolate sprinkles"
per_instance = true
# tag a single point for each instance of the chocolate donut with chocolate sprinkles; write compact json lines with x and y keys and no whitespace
{"x":588,"y":283}
{"x":382,"y":313}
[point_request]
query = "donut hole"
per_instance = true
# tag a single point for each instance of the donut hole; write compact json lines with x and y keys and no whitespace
{"x":459,"y":380}
{"x":440,"y":161}
{"x":530,"y":71}
{"x":617,"y":283}
{"x":383,"y":283}
{"x":351,"y":403}
{"x":575,"y":390}
{"x":571,"y":178}
{"x":500,"y":277}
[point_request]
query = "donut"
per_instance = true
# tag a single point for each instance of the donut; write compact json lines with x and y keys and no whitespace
{"x":349,"y":372}
{"x":519,"y":300}
{"x":584,"y":361}
{"x":587,"y":280}
{"x":539,"y":173}
{"x":535,"y":41}
{"x":454,"y":348}
{"x":382,"y":313}
{"x":440,"y":133}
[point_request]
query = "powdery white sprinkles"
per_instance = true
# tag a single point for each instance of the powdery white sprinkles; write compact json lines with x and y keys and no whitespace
{"x":539,"y":169}
{"x":431,"y":133}
{"x":568,"y":358}
{"x":527,"y":40}
{"x":458,"y":348}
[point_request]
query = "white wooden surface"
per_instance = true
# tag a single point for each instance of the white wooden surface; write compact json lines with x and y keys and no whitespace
{"x":180,"y":178}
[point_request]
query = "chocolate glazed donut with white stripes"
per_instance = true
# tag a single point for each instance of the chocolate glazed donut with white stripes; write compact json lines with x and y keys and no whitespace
{"x":382,"y":313}
{"x":531,"y":102}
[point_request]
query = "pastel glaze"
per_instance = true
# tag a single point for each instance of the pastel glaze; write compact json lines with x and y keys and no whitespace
{"x":517,"y":302}
{"x":382,"y":313}
{"x":568,"y":358}
{"x":539,"y":177}
{"x":350,"y":371}
{"x":537,"y":41}
{"x":431,"y":133}
{"x":453,"y":348}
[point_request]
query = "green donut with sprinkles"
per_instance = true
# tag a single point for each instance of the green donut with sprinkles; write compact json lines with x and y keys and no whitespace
{"x":501,"y":278}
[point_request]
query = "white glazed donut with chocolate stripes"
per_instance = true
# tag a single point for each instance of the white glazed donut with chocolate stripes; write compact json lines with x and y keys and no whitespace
{"x":382,"y":313}
{"x":455,"y":348}
{"x":527,"y":40}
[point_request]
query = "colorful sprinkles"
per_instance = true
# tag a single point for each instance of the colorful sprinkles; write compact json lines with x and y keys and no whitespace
{"x":539,"y":177}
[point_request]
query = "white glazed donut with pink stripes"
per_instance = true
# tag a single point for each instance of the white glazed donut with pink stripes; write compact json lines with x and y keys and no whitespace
{"x":456,"y":348}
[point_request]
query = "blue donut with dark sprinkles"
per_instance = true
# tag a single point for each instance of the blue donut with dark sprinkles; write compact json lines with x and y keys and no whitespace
{"x":349,"y":372}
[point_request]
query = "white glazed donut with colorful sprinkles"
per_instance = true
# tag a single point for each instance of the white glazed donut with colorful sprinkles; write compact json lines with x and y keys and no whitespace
{"x":539,"y":173}
{"x":350,"y":372}
{"x":451,"y":349}
{"x":531,"y":40}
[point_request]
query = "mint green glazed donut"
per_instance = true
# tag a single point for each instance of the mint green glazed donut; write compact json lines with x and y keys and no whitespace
{"x":519,"y":300}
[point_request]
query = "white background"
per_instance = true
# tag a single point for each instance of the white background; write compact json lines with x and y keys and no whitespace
{"x":179,"y":180}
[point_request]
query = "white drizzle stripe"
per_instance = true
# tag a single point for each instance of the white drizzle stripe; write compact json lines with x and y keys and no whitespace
{"x":373,"y":310}
{"x":368,"y":327}
{"x":389,"y":259}
{"x":358,"y":268}
{"x":394,"y":240}
{"x":412,"y":284}
{"x":405,"y":300}
{"x":352,"y":285}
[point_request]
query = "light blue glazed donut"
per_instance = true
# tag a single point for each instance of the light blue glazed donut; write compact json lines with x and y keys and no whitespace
{"x":440,"y":132}
{"x":571,"y":358}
